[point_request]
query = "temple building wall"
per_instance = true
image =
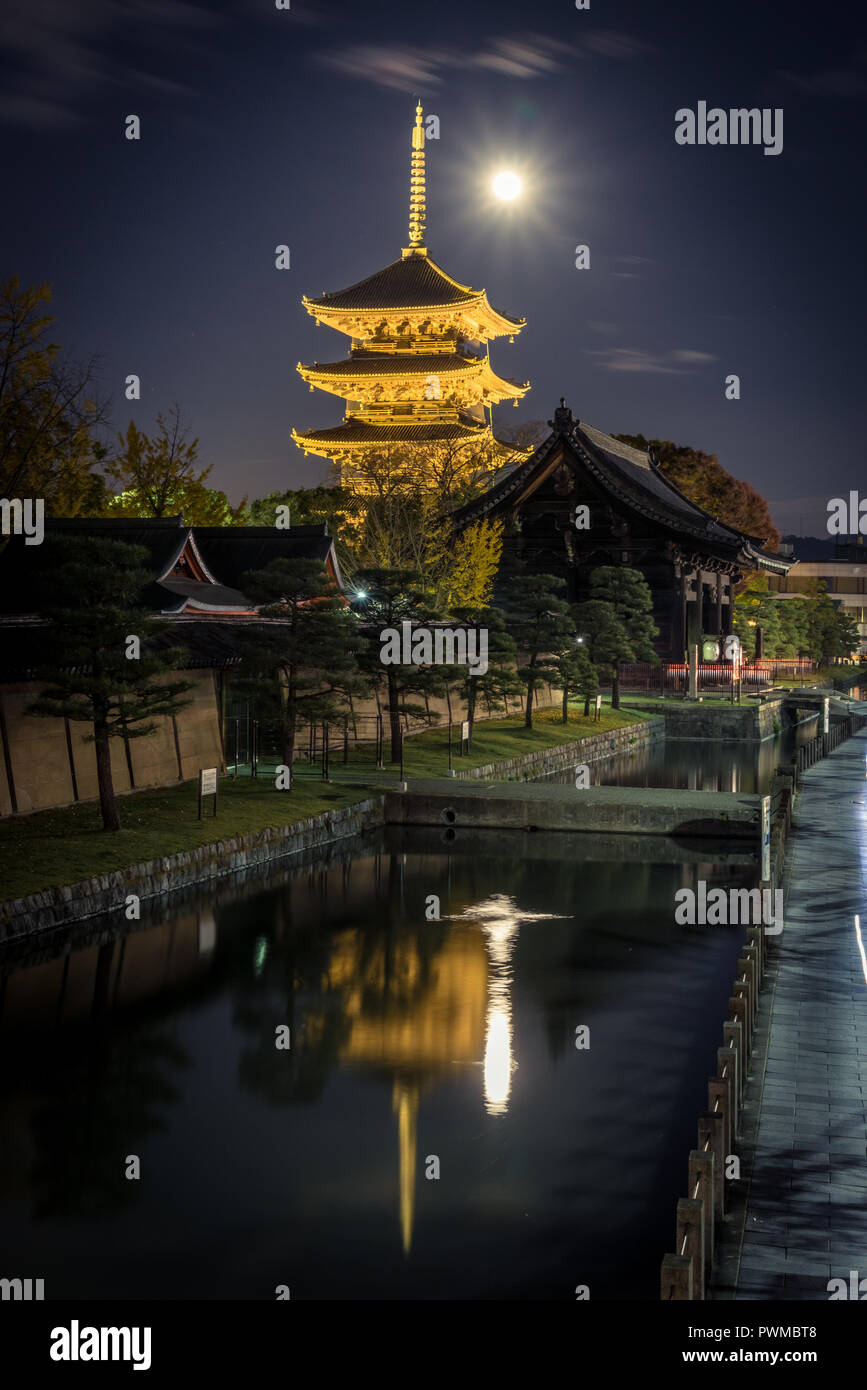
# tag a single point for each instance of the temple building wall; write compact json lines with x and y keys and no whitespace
{"x":49,"y":769}
{"x":43,"y":760}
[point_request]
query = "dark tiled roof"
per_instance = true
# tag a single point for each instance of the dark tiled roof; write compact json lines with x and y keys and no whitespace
{"x":628,"y":475}
{"x":178,"y":591}
{"x":413,"y":282}
{"x":21,"y":564}
{"x":230,"y":552}
{"x":356,"y":431}
{"x":398,"y":363}
{"x":376,"y":364}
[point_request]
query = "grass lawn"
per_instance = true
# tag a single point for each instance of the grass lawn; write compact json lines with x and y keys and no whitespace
{"x":66,"y":845}
{"x":426,"y":755}
{"x":51,"y":848}
{"x":634,"y":701}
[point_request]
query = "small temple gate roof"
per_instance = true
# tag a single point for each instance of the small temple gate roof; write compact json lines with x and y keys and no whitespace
{"x":198,"y":574}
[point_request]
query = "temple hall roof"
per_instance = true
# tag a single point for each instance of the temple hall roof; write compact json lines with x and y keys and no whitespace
{"x":629,"y":476}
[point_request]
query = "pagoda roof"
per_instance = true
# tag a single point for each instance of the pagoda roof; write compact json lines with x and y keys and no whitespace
{"x":412,"y":282}
{"x":360,"y":433}
{"x":629,"y":476}
{"x":405,"y":364}
{"x":397,"y":364}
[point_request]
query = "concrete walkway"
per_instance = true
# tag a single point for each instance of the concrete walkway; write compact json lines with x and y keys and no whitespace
{"x":806,"y":1204}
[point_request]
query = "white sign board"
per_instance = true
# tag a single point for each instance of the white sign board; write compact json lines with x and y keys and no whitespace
{"x":733,"y":652}
{"x":465,"y":730}
{"x":766,"y":838}
{"x":208,"y":781}
{"x":826,"y":715}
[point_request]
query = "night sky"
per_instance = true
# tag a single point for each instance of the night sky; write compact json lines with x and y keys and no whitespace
{"x":262,"y":126}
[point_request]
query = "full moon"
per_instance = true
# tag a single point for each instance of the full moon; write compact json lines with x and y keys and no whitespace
{"x":507,"y":186}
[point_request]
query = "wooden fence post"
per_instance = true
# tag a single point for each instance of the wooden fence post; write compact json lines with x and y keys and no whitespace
{"x":675,"y":1278}
{"x":690,"y":1240}
{"x":701,"y":1188}
{"x":713,"y":1129}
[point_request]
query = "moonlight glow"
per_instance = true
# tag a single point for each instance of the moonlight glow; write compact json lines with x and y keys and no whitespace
{"x":506,"y":186}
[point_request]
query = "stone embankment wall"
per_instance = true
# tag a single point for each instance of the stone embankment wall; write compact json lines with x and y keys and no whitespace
{"x":729,"y":724}
{"x":58,"y":907}
{"x":584,"y":750}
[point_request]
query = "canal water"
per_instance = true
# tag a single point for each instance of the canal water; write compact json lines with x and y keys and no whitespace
{"x":431,"y":1131}
{"x":691,"y":765}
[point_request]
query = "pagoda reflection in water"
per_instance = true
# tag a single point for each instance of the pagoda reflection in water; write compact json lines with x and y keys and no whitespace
{"x":413,"y":1017}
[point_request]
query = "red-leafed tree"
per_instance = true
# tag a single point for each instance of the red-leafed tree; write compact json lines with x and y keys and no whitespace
{"x":702,"y":478}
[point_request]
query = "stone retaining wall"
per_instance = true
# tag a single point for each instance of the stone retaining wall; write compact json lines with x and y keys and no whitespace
{"x":57,"y":907}
{"x":585,"y":750}
{"x":751,"y":723}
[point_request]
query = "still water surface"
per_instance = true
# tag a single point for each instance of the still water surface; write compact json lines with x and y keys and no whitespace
{"x":411,"y":1041}
{"x":691,"y":765}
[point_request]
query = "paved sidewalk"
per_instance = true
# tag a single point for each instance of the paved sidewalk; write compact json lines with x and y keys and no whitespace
{"x":806,"y":1218}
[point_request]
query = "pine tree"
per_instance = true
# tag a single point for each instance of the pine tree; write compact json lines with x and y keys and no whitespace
{"x":628,"y":593}
{"x":91,"y":597}
{"x":300,"y":661}
{"x":605,"y":636}
{"x":542,"y":625}
{"x":384,"y":599}
{"x":848,"y":635}
{"x":500,"y":680}
{"x":578,"y":676}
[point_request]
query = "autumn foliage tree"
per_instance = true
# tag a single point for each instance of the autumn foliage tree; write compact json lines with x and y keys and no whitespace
{"x":49,"y":410}
{"x":702,"y":478}
{"x":159,"y":477}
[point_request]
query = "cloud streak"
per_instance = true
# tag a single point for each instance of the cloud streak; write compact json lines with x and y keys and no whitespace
{"x":522,"y":56}
{"x":677,"y":362}
{"x":61,"y":53}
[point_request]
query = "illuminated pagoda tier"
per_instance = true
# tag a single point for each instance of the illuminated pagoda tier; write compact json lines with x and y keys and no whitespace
{"x":419,"y":371}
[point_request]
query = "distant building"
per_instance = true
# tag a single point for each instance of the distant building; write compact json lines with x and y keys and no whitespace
{"x":844,"y":576}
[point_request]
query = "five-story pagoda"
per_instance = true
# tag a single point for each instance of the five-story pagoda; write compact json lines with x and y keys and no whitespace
{"x":418,"y":381}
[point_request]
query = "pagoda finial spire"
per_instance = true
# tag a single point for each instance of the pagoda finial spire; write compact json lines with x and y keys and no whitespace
{"x":417,"y":187}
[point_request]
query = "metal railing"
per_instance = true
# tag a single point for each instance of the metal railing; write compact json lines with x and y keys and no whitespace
{"x":684,"y":1274}
{"x":672,"y":677}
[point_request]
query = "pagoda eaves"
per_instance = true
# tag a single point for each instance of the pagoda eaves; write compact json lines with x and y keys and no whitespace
{"x":410,"y":291}
{"x":412,"y":376}
{"x":379,"y":377}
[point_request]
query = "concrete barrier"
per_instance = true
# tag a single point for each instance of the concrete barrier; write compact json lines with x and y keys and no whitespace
{"x":530,"y":806}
